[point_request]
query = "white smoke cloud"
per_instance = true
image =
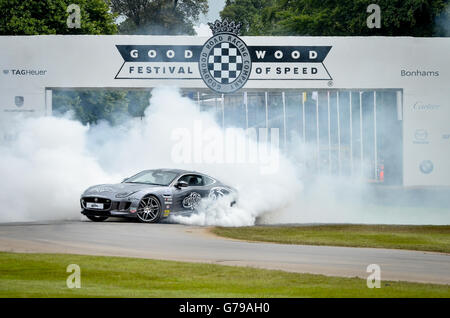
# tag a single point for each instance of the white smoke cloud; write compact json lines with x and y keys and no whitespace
{"x":47,"y":162}
{"x":203,"y":30}
{"x":43,"y":168}
{"x":149,"y":144}
{"x":50,"y":161}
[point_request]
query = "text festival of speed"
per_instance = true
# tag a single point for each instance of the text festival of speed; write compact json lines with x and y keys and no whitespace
{"x":188,"y":54}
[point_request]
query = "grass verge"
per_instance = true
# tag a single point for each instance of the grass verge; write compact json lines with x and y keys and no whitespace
{"x":44,"y":275}
{"x":423,"y":238}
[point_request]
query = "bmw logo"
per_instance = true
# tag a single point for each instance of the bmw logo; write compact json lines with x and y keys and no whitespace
{"x":426,"y":166}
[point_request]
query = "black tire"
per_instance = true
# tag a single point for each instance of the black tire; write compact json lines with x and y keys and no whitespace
{"x":149,"y":210}
{"x":96,"y":218}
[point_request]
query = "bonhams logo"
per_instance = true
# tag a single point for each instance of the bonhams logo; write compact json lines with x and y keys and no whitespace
{"x":224,"y":62}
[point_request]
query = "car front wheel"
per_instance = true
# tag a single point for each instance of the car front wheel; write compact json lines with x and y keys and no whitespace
{"x":149,"y":210}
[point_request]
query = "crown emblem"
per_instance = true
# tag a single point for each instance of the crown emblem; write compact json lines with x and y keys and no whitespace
{"x":225,"y":27}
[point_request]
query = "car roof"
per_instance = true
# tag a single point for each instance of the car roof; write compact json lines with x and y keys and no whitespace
{"x":178,"y":171}
{"x":181,"y":172}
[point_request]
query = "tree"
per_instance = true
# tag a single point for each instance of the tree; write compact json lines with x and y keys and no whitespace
{"x":159,"y":17}
{"x":23,"y":17}
{"x":339,"y":17}
{"x":90,"y":106}
{"x":27,"y":17}
{"x":244,"y":11}
{"x":138,"y":101}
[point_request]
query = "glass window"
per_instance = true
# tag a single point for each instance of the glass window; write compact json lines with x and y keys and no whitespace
{"x":208,"y":180}
{"x":157,"y":177}
{"x":192,"y":179}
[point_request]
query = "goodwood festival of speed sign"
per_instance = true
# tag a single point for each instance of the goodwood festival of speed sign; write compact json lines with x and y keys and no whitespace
{"x":224,"y":62}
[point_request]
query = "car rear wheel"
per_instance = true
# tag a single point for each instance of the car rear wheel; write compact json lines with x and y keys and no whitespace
{"x":149,"y":210}
{"x":96,"y":218}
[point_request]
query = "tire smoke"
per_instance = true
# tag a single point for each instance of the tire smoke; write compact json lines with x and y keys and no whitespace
{"x":47,"y":162}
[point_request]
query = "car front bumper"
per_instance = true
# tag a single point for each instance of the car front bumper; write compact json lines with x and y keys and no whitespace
{"x":108,"y":213}
{"x":111,"y":208}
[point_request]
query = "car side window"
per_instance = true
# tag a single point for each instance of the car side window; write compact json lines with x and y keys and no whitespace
{"x":208,"y":180}
{"x":192,"y":180}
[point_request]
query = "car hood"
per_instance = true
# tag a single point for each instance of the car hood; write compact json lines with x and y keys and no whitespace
{"x":109,"y":189}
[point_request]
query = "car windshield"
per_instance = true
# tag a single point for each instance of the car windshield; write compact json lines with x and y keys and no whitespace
{"x":155,"y":177}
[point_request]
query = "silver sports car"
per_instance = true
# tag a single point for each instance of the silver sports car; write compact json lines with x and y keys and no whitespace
{"x":152,"y":195}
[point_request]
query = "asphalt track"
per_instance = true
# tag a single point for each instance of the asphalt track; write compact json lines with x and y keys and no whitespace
{"x":196,"y":244}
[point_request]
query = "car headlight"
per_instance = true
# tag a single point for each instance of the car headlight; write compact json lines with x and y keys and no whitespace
{"x":124,"y":194}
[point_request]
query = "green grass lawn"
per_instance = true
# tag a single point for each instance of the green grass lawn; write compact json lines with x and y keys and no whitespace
{"x":424,"y":238}
{"x":44,"y":275}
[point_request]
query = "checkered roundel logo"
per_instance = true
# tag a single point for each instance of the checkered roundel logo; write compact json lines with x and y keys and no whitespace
{"x":225,"y":62}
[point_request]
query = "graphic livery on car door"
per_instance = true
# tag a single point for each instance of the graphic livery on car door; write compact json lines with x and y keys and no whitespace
{"x":188,"y":197}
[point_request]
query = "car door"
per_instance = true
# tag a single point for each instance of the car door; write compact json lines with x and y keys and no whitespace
{"x":188,"y":198}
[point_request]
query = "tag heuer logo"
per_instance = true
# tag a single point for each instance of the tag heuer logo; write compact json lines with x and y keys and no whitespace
{"x":225,"y":62}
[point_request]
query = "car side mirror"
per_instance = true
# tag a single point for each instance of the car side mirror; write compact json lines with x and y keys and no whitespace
{"x":181,"y":184}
